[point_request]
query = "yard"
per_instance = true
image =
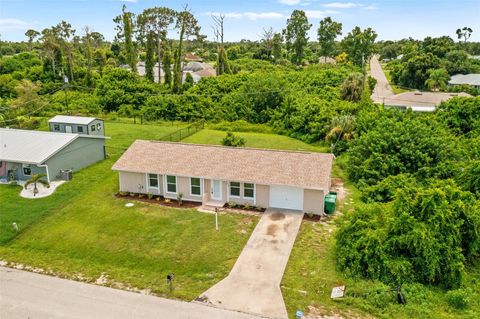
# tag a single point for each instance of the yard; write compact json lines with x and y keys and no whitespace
{"x":82,"y":231}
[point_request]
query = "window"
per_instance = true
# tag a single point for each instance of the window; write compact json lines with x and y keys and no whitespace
{"x":56,"y":127}
{"x":152,"y":180}
{"x":195,"y":188}
{"x":248,"y":190}
{"x":235,"y":189}
{"x":171,"y":184}
{"x":27,"y":171}
{"x":80,"y":129}
{"x":92,"y":128}
{"x":99,"y":126}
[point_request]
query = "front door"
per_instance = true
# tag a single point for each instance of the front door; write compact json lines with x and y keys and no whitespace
{"x":216,"y":190}
{"x":68,"y":129}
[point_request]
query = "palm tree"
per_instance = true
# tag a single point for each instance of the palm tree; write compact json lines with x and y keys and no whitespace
{"x":437,"y":80}
{"x":37,"y":178}
{"x":352,"y":87}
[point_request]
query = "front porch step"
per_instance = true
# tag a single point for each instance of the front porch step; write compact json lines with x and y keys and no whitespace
{"x":211,"y":206}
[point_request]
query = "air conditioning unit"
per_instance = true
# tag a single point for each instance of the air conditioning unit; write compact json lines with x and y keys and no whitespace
{"x":67,"y":174}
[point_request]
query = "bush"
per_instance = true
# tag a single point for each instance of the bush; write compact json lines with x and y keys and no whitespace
{"x":241,"y":126}
{"x":459,"y":298}
{"x":232,"y":140}
{"x":427,"y":234}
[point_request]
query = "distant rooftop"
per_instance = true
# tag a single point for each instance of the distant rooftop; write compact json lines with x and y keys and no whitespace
{"x":72,"y":119}
{"x":469,"y":79}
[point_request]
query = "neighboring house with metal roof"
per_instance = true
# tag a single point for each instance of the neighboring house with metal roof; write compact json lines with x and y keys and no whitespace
{"x":25,"y":153}
{"x":77,"y":124}
{"x":472,"y":79}
{"x":215,"y":175}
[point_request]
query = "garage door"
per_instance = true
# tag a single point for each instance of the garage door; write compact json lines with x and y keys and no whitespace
{"x":286,"y":197}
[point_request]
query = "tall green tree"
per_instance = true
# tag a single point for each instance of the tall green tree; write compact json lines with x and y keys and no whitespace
{"x":28,"y":101}
{"x":327,"y":33}
{"x":87,"y":41}
{"x":167,"y":66}
{"x":277,"y":42}
{"x":296,"y":35}
{"x":437,"y":80}
{"x":31,"y":35}
{"x":186,"y":25}
{"x":150,"y":57}
{"x":51,"y":49}
{"x":359,"y":45}
{"x":65,"y":33}
{"x":465,"y":33}
{"x":156,"y":20}
{"x":125,"y":27}
{"x":222,"y":61}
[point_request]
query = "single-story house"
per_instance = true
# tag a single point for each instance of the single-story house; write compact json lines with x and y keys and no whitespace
{"x":472,"y":79}
{"x":77,"y":125}
{"x":215,"y":175}
{"x":25,"y":153}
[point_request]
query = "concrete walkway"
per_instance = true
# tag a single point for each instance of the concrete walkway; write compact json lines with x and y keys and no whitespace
{"x":253,"y":285}
{"x":28,"y":295}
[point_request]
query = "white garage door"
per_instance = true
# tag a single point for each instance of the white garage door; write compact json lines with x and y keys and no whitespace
{"x":286,"y":197}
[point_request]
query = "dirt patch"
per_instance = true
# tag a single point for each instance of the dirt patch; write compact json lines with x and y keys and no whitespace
{"x":272,"y":230}
{"x":277,"y":216}
{"x":339,"y":188}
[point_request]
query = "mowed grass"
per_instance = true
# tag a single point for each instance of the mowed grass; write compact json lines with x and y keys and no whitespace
{"x":256,"y":140}
{"x":83,"y":232}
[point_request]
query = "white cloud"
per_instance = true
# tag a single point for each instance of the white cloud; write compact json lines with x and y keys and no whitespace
{"x":341,"y":5}
{"x":13,"y":24}
{"x":290,"y":2}
{"x":319,"y":14}
{"x":370,"y":7}
{"x":250,"y":15}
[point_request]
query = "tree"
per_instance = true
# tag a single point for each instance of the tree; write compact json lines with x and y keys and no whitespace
{"x":296,"y":35}
{"x":186,"y":25}
{"x":233,"y":140}
{"x":437,"y":80}
{"x":150,"y":58}
{"x":51,"y":48}
{"x":188,"y":82}
{"x":36,"y":179}
{"x":167,"y":64}
{"x":267,"y":41}
{"x":352,"y":87}
{"x":156,"y":21}
{"x":359,"y":46}
{"x":87,"y":41}
{"x":341,"y":132}
{"x":65,"y":33}
{"x":464,"y":33}
{"x":327,"y":33}
{"x":277,"y":42}
{"x":100,"y":58}
{"x":27,"y":99}
{"x":32,"y":35}
{"x":222,"y":62}
{"x":124,"y":27}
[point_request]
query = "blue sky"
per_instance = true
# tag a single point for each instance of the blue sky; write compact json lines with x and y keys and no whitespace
{"x":391,"y":19}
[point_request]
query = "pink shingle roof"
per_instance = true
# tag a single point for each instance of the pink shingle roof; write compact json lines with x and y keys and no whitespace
{"x":269,"y":167}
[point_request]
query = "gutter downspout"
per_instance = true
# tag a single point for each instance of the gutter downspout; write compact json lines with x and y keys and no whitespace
{"x":48,"y":174}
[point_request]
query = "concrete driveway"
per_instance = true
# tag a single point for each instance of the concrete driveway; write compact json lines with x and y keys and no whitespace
{"x":28,"y":295}
{"x":382,"y":88}
{"x":253,"y":285}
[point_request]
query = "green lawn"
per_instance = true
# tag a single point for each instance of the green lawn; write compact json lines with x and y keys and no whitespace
{"x":258,"y":140}
{"x":82,"y":231}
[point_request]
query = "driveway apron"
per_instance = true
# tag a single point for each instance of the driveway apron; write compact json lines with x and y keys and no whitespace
{"x":253,"y":285}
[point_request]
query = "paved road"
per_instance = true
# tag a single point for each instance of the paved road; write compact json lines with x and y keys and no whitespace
{"x":415,"y":100}
{"x":253,"y":285}
{"x":28,"y":295}
{"x":382,"y":89}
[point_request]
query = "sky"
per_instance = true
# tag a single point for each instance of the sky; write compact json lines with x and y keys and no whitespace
{"x":246,"y":19}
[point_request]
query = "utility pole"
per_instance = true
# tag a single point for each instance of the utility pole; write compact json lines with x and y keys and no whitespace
{"x":65,"y":89}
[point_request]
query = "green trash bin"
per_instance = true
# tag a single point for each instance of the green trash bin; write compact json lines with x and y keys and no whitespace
{"x":330,"y":202}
